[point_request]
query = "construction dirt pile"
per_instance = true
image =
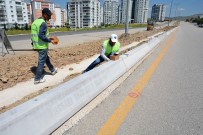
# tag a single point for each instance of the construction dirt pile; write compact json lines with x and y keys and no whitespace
{"x":21,"y":68}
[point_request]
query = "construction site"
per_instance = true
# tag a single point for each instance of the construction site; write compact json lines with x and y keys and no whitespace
{"x":21,"y":68}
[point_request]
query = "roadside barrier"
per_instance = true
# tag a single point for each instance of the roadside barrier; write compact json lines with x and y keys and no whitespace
{"x":44,"y":113}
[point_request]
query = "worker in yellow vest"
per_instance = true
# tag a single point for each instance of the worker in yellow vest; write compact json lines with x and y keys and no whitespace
{"x":109,"y":47}
{"x":40,"y":41}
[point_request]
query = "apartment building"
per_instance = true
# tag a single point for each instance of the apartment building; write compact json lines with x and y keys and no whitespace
{"x":124,"y":10}
{"x":29,"y":12}
{"x":158,"y":12}
{"x":102,"y":14}
{"x":38,"y":5}
{"x":110,"y":11}
{"x":119,"y":14}
{"x":84,"y":13}
{"x":140,"y":11}
{"x":12,"y":13}
{"x":58,"y":22}
{"x":63,"y":17}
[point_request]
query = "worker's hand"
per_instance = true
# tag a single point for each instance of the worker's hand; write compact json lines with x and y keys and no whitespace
{"x":54,"y":40}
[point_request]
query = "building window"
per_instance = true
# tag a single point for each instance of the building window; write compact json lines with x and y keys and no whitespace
{"x":38,"y":5}
{"x":51,"y":7}
{"x":18,"y":3}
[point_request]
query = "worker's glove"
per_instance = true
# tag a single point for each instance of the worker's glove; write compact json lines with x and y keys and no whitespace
{"x":54,"y":40}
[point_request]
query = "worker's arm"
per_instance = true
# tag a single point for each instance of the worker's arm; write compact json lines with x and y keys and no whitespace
{"x":116,"y":52}
{"x":103,"y":50}
{"x":118,"y":49}
{"x":42,"y":33}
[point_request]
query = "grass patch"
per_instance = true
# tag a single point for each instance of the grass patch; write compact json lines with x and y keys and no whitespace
{"x":15,"y":32}
{"x":64,"y":29}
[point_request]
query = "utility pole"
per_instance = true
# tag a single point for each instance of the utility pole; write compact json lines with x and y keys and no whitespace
{"x":127,"y":17}
{"x":170,"y":11}
{"x":32,"y":10}
{"x":75,"y":16}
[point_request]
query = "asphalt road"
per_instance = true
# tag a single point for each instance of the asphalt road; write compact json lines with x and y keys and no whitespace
{"x":171,"y":102}
{"x":28,"y":36}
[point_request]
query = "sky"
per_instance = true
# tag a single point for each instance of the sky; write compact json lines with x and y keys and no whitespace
{"x":179,"y":7}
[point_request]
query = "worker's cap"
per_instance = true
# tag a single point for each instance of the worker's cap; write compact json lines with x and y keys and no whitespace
{"x":46,"y":11}
{"x":114,"y":38}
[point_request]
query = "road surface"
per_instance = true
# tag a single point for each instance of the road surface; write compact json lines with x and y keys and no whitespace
{"x":163,"y":99}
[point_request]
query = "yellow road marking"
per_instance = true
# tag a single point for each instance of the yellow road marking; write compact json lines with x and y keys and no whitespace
{"x":114,"y":122}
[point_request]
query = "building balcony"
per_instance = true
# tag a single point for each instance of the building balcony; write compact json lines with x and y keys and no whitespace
{"x":3,"y":21}
{"x":1,"y":1}
{"x":2,"y":13}
{"x":19,"y":14}
{"x":20,"y":22}
{"x":19,"y":8}
{"x":20,"y":18}
{"x":3,"y":18}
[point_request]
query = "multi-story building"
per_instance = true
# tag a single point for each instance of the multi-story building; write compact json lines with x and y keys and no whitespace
{"x":110,"y":11}
{"x":84,"y":13}
{"x":124,"y":10}
{"x":119,"y":14}
{"x":63,"y":17}
{"x":39,"y":5}
{"x":29,"y":12}
{"x":13,"y":13}
{"x":158,"y":12}
{"x":58,"y":16}
{"x":102,"y":15}
{"x":140,"y":11}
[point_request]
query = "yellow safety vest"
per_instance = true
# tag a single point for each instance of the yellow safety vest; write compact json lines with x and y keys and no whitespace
{"x":37,"y":42}
{"x":111,"y":49}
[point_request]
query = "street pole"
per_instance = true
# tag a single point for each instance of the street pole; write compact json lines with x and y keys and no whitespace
{"x":33,"y":14}
{"x":170,"y":12}
{"x":75,"y":16}
{"x":127,"y":17}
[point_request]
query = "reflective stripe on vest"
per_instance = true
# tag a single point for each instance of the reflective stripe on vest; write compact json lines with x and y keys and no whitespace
{"x":109,"y":49}
{"x":37,"y":42}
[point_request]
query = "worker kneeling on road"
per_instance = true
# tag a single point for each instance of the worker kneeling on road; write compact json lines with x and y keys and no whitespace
{"x":40,"y":42}
{"x":109,"y":47}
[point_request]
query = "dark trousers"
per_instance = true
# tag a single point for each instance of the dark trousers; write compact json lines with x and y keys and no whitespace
{"x":42,"y":59}
{"x":94,"y":64}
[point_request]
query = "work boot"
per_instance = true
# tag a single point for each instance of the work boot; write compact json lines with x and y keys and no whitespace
{"x":55,"y":71}
{"x":39,"y":81}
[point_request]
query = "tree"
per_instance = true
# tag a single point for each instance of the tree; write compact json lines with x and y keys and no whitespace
{"x":5,"y":27}
{"x":16,"y":26}
{"x":26,"y":26}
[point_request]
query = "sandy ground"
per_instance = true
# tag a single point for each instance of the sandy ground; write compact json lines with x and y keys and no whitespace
{"x":22,"y":68}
